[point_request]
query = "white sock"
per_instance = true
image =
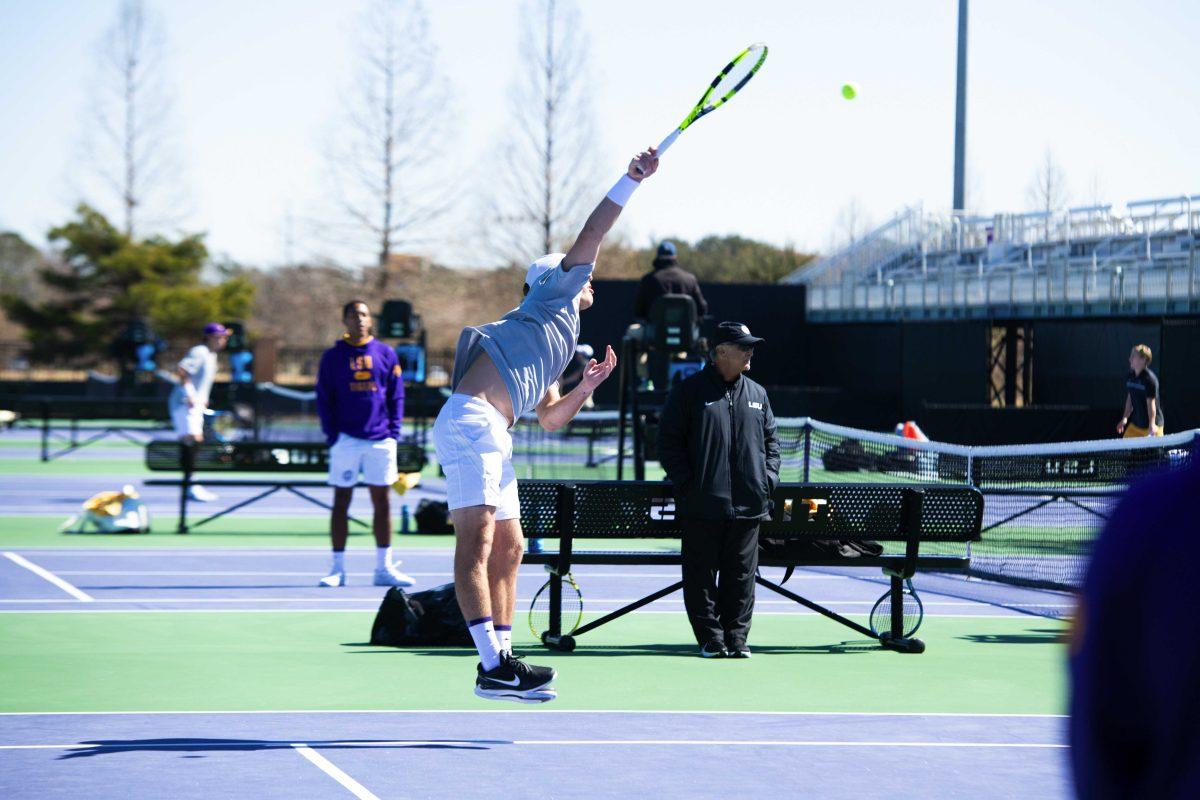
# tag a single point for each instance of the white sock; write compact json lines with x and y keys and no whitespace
{"x":383,"y":557}
{"x":339,"y":560}
{"x":504,"y":635}
{"x":484,"y":635}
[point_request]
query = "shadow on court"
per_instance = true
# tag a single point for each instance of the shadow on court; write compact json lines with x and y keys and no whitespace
{"x":605,"y":651}
{"x":109,"y":746}
{"x":1032,"y":636}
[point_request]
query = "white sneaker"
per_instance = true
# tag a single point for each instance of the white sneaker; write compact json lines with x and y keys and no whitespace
{"x":334,"y":579}
{"x":200,"y":494}
{"x":390,"y":576}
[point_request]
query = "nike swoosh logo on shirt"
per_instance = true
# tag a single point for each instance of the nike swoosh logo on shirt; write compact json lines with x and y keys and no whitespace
{"x":709,"y":403}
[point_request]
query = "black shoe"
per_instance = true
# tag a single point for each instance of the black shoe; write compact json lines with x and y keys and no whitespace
{"x":516,"y":681}
{"x":713,"y":649}
{"x":739,"y":649}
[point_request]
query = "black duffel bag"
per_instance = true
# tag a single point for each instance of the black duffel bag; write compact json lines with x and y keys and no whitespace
{"x":423,"y":619}
{"x":794,"y":551}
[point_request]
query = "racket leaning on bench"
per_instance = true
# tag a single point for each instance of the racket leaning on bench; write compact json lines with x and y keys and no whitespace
{"x":729,"y":81}
{"x":912,"y":614}
{"x":572,"y":607}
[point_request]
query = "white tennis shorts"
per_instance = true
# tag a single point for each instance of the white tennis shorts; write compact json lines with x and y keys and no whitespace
{"x":188,"y":421}
{"x":475,"y":450}
{"x":374,"y":458}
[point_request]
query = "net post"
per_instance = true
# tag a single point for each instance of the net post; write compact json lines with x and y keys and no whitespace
{"x":807,"y":447}
{"x":45,"y":430}
{"x":187,"y":461}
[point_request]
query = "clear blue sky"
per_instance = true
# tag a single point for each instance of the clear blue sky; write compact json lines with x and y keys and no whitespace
{"x":1111,"y":87}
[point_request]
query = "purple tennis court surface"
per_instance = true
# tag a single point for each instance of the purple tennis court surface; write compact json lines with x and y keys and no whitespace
{"x":548,"y":754}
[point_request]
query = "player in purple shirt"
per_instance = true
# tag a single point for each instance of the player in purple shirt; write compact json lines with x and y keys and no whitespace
{"x":1135,"y":661}
{"x":360,"y":401}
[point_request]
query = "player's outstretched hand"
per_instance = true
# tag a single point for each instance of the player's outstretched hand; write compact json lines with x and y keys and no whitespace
{"x":596,"y":371}
{"x":644,"y":164}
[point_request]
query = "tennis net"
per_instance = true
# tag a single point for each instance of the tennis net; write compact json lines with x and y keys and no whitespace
{"x":1043,"y":504}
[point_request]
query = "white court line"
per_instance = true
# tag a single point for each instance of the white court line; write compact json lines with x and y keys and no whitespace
{"x":371,"y":609}
{"x":542,"y":710}
{"x":602,"y":601}
{"x":330,"y":769}
{"x":355,"y":787}
{"x":529,"y":572}
{"x":49,"y":576}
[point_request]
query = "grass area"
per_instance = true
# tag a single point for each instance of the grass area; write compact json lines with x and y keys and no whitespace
{"x":121,"y":469}
{"x":245,"y":531}
{"x":290,"y":661}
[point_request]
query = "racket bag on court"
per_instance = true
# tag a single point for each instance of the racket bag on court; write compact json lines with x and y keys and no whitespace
{"x":433,"y":516}
{"x":423,"y":619}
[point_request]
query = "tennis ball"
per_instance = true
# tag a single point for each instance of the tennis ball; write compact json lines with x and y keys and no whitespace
{"x":849,"y":90}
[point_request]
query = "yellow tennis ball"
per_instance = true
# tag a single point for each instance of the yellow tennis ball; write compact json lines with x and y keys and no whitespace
{"x":849,"y":90}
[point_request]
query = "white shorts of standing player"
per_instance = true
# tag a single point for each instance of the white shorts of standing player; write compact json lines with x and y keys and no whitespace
{"x":374,"y":459}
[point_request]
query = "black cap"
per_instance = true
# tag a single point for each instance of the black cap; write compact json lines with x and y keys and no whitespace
{"x":734,"y":333}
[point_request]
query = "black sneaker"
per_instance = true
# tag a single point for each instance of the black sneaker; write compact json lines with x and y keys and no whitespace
{"x":713,"y":649}
{"x":739,"y":649}
{"x":516,"y":681}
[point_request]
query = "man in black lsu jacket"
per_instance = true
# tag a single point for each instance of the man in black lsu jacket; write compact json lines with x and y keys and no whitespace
{"x":718,"y":445}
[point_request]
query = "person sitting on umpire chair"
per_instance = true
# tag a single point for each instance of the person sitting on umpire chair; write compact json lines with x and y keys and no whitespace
{"x":667,"y":278}
{"x":717,"y":442}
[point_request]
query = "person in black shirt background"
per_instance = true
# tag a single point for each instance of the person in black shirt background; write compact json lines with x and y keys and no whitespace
{"x":717,"y":442}
{"x":667,"y":278}
{"x":1143,"y":408}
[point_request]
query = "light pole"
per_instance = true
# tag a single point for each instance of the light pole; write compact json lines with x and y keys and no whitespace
{"x":960,"y":112}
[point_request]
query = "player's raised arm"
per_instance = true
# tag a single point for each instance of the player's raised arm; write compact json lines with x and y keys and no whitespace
{"x":600,"y":222}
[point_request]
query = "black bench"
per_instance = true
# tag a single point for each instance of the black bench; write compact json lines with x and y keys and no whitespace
{"x":91,"y":418}
{"x":911,"y":514}
{"x":283,"y":458}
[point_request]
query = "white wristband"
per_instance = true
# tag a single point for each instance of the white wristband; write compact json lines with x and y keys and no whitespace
{"x":622,"y":190}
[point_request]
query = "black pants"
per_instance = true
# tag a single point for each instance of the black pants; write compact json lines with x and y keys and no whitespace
{"x":720,"y":611}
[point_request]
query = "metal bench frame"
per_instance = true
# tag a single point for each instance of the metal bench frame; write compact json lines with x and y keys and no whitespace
{"x":211,"y":457}
{"x":898,"y":568}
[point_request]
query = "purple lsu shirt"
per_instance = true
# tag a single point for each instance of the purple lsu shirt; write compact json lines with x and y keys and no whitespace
{"x":360,"y":391}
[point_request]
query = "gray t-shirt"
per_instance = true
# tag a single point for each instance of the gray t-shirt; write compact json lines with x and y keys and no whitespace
{"x":532,"y":344}
{"x":201,"y":364}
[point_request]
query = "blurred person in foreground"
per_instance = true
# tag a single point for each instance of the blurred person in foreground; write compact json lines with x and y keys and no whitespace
{"x":1135,"y":655}
{"x":1143,"y":409}
{"x":189,"y":399}
{"x":360,"y":401}
{"x":717,"y":443}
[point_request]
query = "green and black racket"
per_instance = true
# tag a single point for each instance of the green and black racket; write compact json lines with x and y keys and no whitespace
{"x":572,"y":608}
{"x":737,"y":73}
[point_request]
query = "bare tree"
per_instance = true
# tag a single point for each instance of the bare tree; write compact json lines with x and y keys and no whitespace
{"x":547,"y":173}
{"x":395,"y":117}
{"x":1048,"y":192}
{"x":129,"y":139}
{"x":850,"y":225}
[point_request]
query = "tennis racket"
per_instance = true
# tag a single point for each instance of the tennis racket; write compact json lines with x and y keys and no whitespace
{"x":572,"y":608}
{"x":913,"y":614}
{"x":729,"y":81}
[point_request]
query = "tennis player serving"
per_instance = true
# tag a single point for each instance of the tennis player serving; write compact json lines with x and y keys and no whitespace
{"x":503,"y":370}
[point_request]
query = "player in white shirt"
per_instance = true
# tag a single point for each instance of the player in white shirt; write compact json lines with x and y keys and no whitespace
{"x":189,"y":400}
